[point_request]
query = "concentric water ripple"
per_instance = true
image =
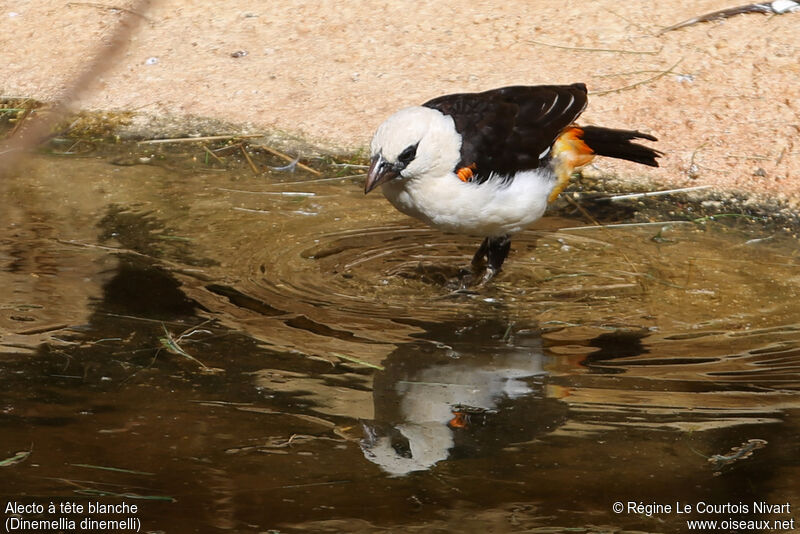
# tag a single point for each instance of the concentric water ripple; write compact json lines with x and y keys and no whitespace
{"x":340,"y":272}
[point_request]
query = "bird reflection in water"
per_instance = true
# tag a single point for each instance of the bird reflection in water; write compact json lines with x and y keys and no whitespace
{"x":434,"y":402}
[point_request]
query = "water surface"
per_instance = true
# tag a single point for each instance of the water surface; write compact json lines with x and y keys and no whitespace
{"x":251,"y":354}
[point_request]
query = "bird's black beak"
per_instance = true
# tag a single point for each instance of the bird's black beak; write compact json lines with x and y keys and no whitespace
{"x":380,"y":171}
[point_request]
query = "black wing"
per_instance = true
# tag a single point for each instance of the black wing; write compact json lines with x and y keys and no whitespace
{"x":511,"y":129}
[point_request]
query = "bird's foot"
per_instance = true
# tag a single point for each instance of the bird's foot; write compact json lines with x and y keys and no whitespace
{"x":469,"y":284}
{"x":487,"y":260}
{"x":488,"y":274}
{"x":464,"y":279}
{"x":475,"y":278}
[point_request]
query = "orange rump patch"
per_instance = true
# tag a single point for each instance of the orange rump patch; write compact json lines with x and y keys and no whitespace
{"x":570,"y":152}
{"x":571,"y":145}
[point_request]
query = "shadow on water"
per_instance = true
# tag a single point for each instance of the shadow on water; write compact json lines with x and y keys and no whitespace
{"x":242,"y":354}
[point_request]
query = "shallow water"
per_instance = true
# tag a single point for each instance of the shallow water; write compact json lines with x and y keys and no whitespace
{"x":250,"y":354}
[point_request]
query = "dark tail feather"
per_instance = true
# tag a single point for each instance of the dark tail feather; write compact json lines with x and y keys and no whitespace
{"x":617,"y":144}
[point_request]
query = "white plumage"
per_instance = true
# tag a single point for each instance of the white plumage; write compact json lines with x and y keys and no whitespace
{"x":430,"y":191}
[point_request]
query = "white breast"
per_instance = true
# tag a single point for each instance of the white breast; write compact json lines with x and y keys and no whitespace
{"x":490,"y":209}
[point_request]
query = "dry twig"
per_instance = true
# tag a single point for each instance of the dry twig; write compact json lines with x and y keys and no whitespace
{"x":210,"y":153}
{"x":589,"y":49}
{"x":108,"y":8}
{"x":249,"y":159}
{"x":637,"y":84}
{"x":658,"y":193}
{"x":197,"y":139}
{"x":288,"y":158}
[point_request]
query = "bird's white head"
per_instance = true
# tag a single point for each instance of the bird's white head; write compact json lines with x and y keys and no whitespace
{"x":413,"y":143}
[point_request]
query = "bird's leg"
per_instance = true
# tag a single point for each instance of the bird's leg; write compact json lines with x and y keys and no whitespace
{"x":480,"y":254}
{"x":467,"y":274}
{"x":497,"y":249}
{"x":494,"y":251}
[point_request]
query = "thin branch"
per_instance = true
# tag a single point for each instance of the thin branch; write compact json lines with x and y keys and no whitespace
{"x":629,"y":21}
{"x":108,"y":8}
{"x":629,"y":73}
{"x":623,"y":225}
{"x":280,"y":193}
{"x":219,"y":160}
{"x":250,"y":210}
{"x":300,"y":182}
{"x":193,"y":139}
{"x":582,"y":210}
{"x":288,"y":158}
{"x":249,"y":160}
{"x":20,"y":121}
{"x":352,"y":165}
{"x":585,"y":49}
{"x":658,"y":193}
{"x":637,"y":84}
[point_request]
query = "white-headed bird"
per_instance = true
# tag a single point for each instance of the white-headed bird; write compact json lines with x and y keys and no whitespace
{"x":487,"y":164}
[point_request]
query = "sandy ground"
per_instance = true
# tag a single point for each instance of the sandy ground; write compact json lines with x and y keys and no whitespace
{"x":721,"y":96}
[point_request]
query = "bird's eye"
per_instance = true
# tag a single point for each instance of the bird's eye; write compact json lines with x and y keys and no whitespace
{"x":407,"y":155}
